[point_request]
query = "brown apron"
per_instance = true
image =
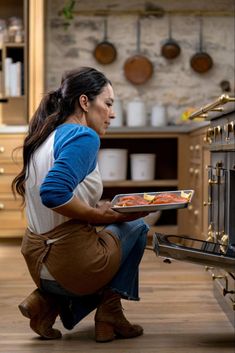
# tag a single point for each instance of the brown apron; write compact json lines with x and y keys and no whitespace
{"x":81,"y":260}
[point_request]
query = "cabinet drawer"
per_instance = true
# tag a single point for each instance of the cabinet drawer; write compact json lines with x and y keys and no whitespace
{"x":5,"y":183}
{"x":9,"y":204}
{"x":8,"y":143}
{"x":195,"y":147}
{"x":12,"y":220}
{"x":9,"y":168}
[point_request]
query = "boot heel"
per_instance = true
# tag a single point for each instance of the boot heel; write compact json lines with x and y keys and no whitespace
{"x":104,"y":332}
{"x":24,"y":310}
{"x":30,"y":306}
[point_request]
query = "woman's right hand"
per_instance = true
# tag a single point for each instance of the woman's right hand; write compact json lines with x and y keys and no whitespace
{"x":107,"y":215}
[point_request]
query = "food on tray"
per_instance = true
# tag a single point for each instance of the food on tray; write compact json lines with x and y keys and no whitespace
{"x":147,"y":199}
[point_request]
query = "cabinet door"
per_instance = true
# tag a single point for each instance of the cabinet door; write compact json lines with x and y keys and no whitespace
{"x":10,"y":147}
{"x":13,"y":223}
{"x":14,"y":64}
{"x":12,"y":216}
{"x":194,"y":219}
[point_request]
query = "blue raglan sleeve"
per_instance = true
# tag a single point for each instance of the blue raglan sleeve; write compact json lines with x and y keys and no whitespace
{"x":75,"y":155}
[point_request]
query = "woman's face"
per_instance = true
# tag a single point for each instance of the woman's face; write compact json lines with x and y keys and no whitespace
{"x":100,"y":111}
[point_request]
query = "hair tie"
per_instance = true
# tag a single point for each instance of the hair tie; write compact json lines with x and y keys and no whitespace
{"x":58,"y":93}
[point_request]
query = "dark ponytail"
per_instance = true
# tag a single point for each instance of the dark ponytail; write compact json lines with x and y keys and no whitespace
{"x":53,"y":110}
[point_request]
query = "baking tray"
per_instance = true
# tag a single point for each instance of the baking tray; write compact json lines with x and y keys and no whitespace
{"x":152,"y":208}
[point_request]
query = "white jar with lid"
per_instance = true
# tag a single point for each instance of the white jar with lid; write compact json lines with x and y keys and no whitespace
{"x":143,"y":166}
{"x":158,"y":116}
{"x":118,"y":110}
{"x":136,"y":113}
{"x":112,"y":163}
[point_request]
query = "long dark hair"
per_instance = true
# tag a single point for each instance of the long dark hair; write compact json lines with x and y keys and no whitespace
{"x":54,"y":109}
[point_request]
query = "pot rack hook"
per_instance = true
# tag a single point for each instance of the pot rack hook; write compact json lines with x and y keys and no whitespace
{"x":138,"y":34}
{"x":105,"y":27}
{"x":200,"y":32}
{"x":170,"y":25}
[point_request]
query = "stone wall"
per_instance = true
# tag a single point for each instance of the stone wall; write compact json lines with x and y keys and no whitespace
{"x":174,"y":83}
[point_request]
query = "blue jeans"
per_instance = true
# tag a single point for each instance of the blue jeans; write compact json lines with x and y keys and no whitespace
{"x":133,"y":237}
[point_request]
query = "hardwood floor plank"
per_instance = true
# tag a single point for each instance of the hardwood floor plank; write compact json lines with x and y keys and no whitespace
{"x":177,"y":310}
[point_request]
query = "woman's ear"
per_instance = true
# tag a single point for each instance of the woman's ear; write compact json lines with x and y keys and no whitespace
{"x":84,"y":102}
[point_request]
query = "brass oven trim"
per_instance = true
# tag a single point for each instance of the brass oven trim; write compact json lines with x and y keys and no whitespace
{"x":214,"y":106}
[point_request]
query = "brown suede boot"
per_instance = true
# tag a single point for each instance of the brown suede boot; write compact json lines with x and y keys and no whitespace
{"x":42,"y":310}
{"x":110,"y":321}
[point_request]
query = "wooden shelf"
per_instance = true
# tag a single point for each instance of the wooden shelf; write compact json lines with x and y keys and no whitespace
{"x":144,"y":183}
{"x":22,"y":96}
{"x":14,"y":45}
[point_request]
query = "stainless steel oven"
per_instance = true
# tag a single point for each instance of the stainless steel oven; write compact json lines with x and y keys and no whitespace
{"x":217,"y":252}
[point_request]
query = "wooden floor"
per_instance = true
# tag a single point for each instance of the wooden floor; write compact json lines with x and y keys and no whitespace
{"x":177,"y":310}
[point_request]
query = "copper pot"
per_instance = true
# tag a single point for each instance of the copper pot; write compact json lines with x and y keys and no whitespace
{"x":105,"y":52}
{"x":201,"y":61}
{"x":138,"y":69}
{"x":170,"y":48}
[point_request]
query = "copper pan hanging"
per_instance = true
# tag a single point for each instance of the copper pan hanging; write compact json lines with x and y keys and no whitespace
{"x":170,"y":48}
{"x":105,"y":52}
{"x":138,"y":69}
{"x":201,"y":61}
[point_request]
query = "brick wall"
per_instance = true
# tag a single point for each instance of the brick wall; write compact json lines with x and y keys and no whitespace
{"x":174,"y":83}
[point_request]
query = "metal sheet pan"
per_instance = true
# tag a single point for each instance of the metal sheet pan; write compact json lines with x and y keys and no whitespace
{"x":152,"y":208}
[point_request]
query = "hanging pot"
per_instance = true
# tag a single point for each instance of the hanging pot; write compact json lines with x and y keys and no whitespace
{"x":105,"y":52}
{"x":170,"y":48}
{"x":138,"y":69}
{"x":201,"y":61}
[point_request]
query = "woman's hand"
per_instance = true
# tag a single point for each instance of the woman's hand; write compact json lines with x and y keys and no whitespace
{"x":108,"y":215}
{"x":104,"y":214}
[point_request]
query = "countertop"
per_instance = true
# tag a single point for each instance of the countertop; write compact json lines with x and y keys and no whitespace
{"x":183,"y":128}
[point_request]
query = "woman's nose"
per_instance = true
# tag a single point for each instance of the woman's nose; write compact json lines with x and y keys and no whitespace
{"x":112,"y":114}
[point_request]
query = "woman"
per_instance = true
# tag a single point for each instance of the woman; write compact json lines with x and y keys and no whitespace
{"x":75,"y":267}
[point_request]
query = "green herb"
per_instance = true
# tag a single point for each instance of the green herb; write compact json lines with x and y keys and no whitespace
{"x":68,"y":12}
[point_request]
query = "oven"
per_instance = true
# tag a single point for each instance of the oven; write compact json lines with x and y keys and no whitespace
{"x":217,"y":252}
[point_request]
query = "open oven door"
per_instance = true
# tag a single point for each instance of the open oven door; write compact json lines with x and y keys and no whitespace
{"x":200,"y":252}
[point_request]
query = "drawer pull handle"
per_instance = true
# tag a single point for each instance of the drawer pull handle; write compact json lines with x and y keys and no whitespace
{"x":2,"y":206}
{"x":214,"y":277}
{"x":191,"y":170}
{"x":2,"y":149}
{"x":2,"y":170}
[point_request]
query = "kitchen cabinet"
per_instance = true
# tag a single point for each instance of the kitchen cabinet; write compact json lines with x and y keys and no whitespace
{"x":14,"y":63}
{"x":16,"y":108}
{"x":171,"y":156}
{"x":195,"y":218}
{"x":12,"y":218}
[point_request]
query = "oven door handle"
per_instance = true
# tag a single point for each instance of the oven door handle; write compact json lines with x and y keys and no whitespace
{"x":192,"y":250}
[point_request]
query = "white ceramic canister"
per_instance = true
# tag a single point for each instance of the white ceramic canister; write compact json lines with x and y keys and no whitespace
{"x":143,"y":166}
{"x":112,"y":163}
{"x":118,"y":110}
{"x":136,"y":113}
{"x":158,"y":116}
